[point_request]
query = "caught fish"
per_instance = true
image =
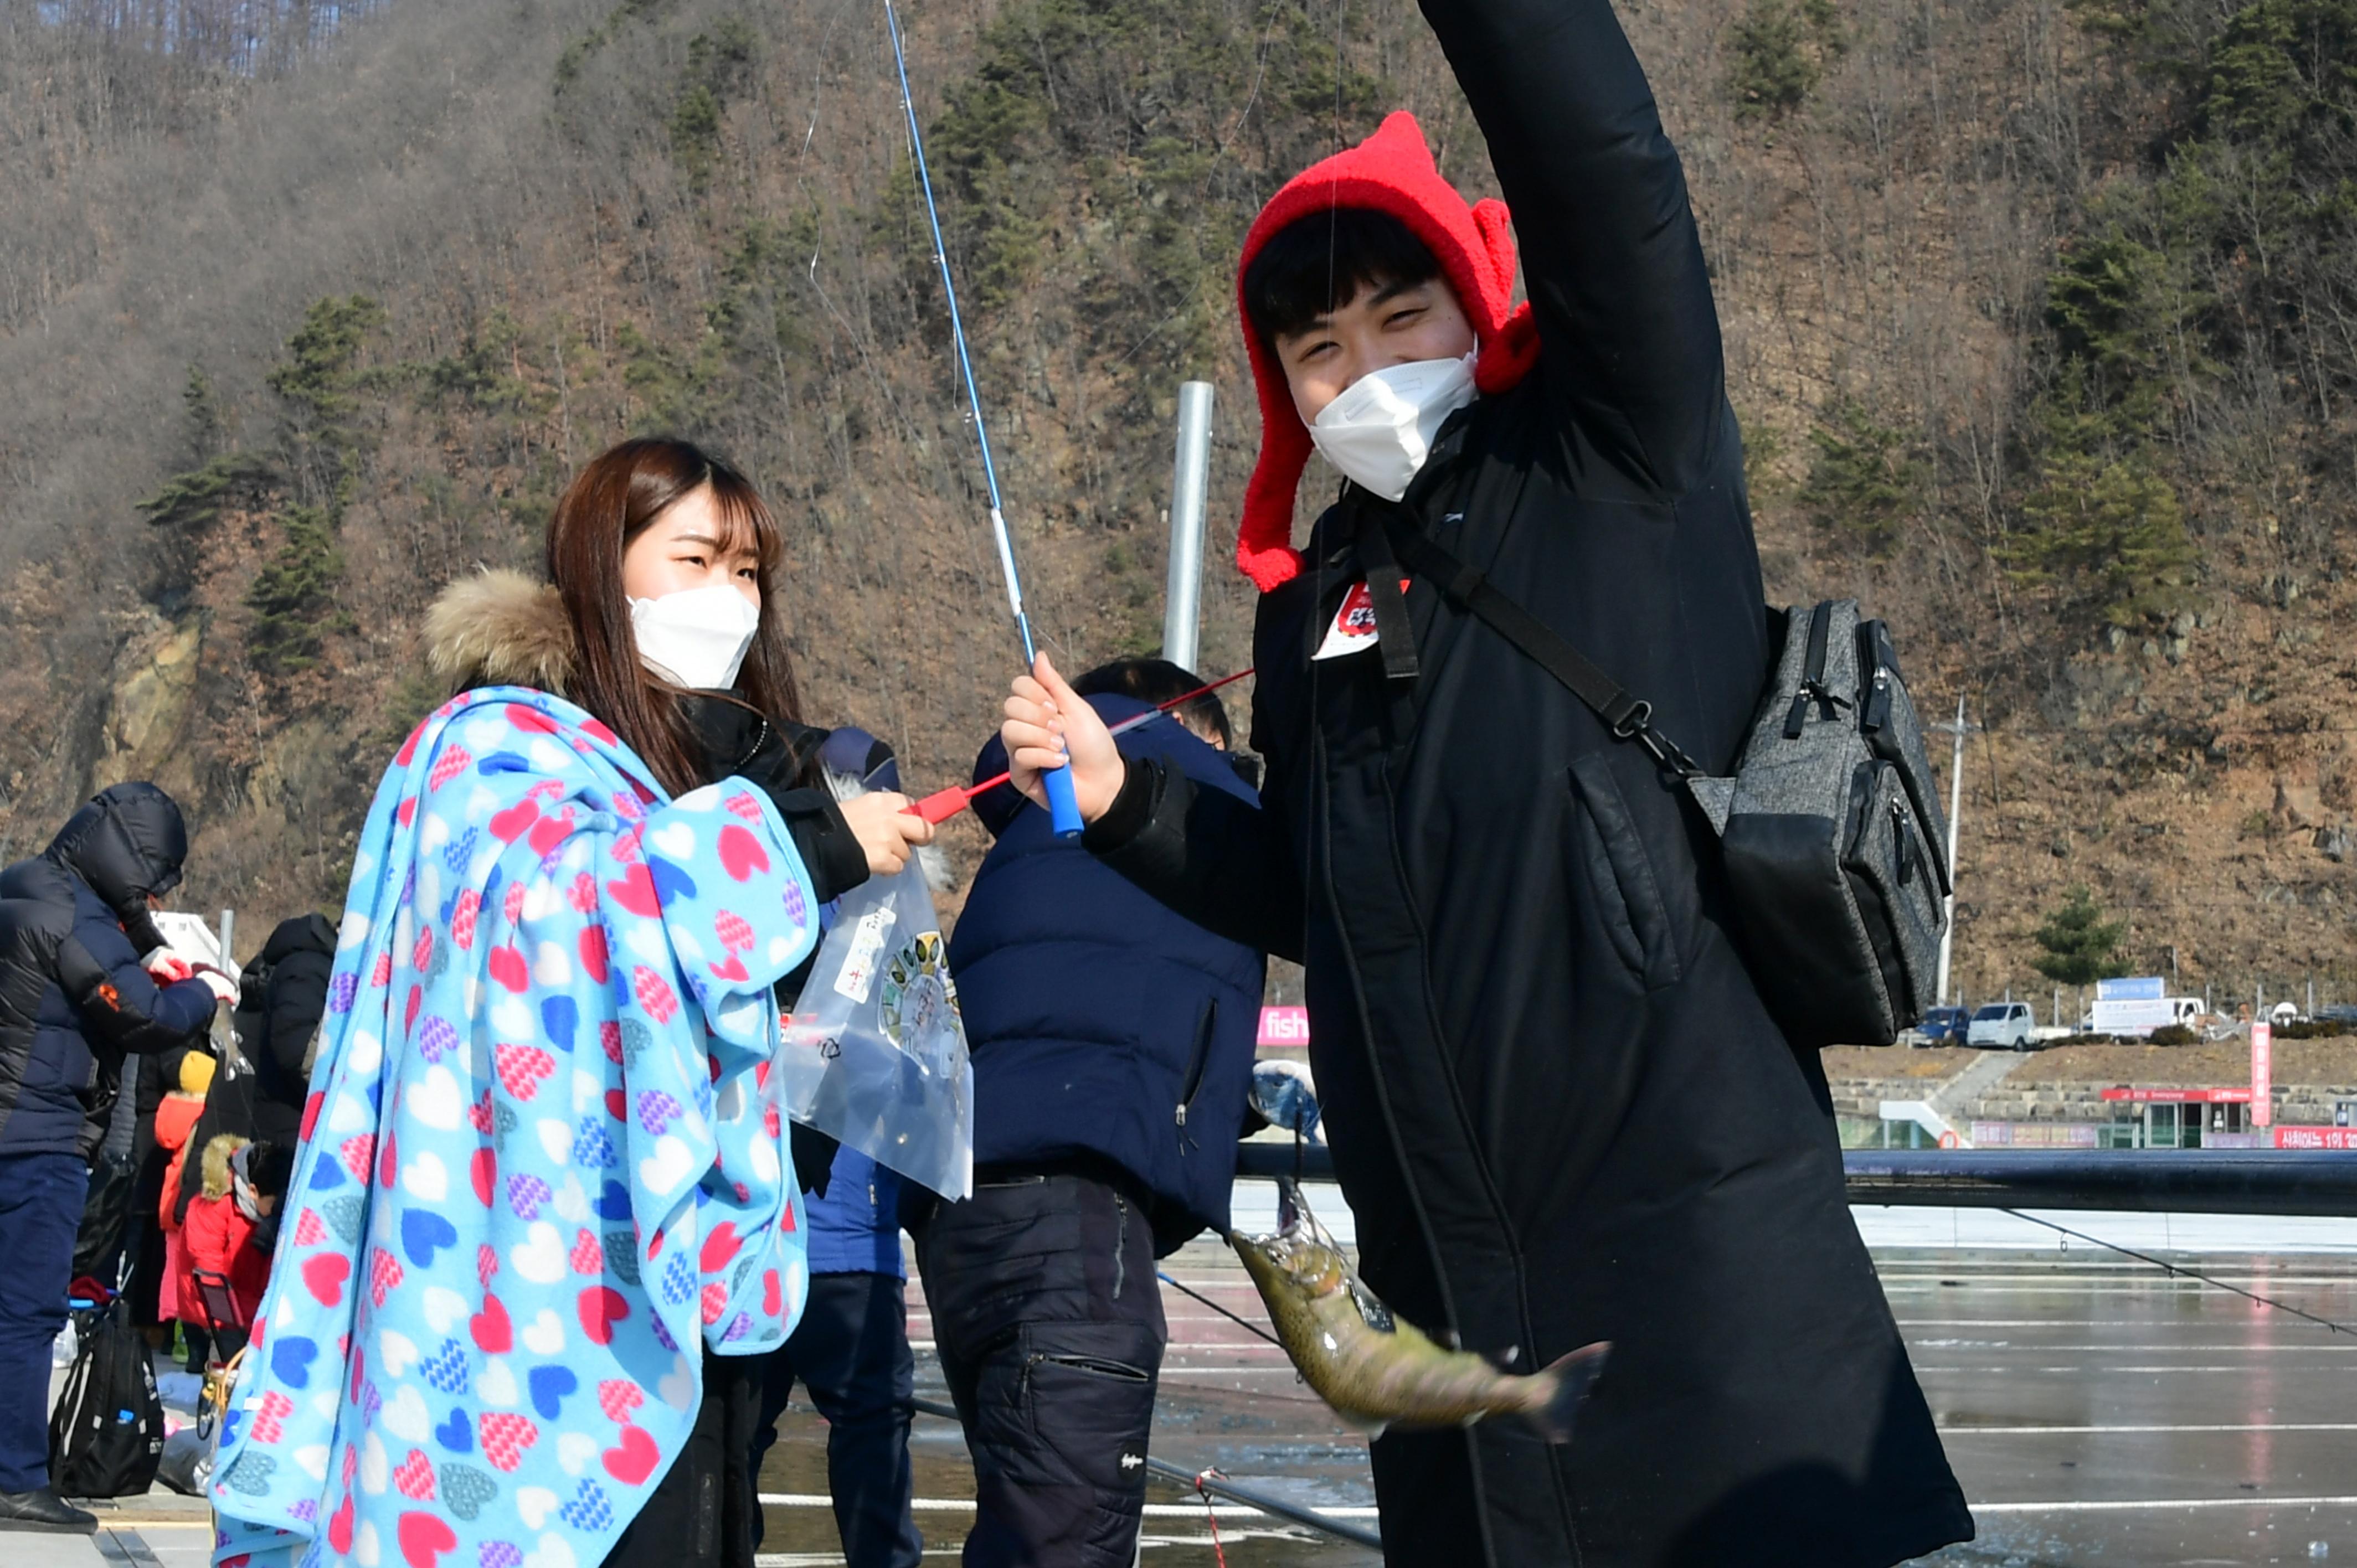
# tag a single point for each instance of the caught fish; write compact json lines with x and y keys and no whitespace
{"x":1377,"y":1371}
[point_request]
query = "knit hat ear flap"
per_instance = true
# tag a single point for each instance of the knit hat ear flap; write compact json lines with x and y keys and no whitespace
{"x":1507,"y":357}
{"x":1263,"y":547}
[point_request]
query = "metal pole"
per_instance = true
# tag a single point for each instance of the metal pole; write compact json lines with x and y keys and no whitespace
{"x":1182,"y":595}
{"x":1955,"y":811}
{"x":228,"y":934}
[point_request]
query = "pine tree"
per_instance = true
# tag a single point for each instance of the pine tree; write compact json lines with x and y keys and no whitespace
{"x":2081,"y":947}
{"x":291,"y":596}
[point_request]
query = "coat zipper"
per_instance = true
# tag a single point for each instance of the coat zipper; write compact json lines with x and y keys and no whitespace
{"x":1204,"y":1023}
{"x":1119,"y":1243}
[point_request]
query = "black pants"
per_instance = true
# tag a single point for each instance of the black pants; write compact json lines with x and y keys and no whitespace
{"x":851,"y":1351}
{"x":701,"y":1513}
{"x":1050,"y":1324}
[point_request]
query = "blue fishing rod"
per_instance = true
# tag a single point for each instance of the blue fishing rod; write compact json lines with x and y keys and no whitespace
{"x":1062,"y":810}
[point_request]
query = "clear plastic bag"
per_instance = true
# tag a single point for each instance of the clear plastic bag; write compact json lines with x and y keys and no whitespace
{"x":876,"y":1056}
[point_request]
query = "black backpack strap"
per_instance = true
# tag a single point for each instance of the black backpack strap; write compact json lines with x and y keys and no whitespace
{"x":1395,"y":636}
{"x":1628,"y":716}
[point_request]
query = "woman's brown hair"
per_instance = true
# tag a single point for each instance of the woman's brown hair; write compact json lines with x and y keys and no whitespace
{"x":608,"y":504}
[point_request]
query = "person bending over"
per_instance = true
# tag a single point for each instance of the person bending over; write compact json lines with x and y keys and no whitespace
{"x":74,"y":1002}
{"x":1557,"y":1104}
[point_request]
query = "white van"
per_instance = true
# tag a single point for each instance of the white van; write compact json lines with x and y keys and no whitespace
{"x":2002,"y":1026}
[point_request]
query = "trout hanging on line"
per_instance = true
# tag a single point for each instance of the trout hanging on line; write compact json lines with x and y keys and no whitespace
{"x":1377,"y":1371}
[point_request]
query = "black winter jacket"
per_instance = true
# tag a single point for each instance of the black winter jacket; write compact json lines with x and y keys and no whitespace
{"x":284,"y":996}
{"x":1558,"y":1108}
{"x":277,"y":1018}
{"x":74,"y":1000}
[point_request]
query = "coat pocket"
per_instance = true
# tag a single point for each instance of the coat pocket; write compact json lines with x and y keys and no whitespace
{"x":1198,"y":1056}
{"x":1618,"y":871}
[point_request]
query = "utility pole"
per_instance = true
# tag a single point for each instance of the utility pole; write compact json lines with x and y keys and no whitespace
{"x":1182,"y":615}
{"x":1955,"y":812}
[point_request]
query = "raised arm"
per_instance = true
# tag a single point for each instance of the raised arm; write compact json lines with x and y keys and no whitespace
{"x":1610,"y":254}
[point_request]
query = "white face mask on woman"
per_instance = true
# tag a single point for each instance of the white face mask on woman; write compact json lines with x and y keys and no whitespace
{"x":1380,"y":430}
{"x":697,"y":637}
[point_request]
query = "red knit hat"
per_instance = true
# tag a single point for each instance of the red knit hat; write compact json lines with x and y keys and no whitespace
{"x":1391,"y":171}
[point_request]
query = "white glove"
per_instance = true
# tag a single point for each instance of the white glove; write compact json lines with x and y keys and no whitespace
{"x":223,"y":988}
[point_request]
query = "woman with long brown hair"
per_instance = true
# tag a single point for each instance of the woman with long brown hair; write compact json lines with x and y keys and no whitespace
{"x":546,"y":1215}
{"x":639,"y":547}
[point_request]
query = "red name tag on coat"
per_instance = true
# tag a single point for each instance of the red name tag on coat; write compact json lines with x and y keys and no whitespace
{"x":1354,"y":623}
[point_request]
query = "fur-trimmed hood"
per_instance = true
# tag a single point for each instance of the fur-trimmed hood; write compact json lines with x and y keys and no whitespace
{"x":213,"y":1167}
{"x":500,"y":628}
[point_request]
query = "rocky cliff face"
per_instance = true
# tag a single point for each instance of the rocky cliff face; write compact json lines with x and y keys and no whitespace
{"x":349,"y":323}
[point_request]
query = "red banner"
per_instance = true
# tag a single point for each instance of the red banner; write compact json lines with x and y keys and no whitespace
{"x":2316,"y":1137}
{"x":2179,"y":1096}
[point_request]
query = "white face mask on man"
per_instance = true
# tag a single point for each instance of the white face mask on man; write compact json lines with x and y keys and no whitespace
{"x":697,"y":637}
{"x":1380,"y":430}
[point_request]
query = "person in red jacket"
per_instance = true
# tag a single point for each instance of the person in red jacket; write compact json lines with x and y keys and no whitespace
{"x":218,"y":1239}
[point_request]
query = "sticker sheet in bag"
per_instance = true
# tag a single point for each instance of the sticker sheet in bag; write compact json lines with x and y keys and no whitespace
{"x":874,"y":1057}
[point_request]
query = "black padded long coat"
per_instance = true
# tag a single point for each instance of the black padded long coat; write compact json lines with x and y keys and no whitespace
{"x":1559,"y":1107}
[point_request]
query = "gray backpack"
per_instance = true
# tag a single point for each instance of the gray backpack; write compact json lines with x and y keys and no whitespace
{"x":1835,"y":844}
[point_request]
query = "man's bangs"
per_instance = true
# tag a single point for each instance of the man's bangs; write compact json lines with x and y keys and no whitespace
{"x":1316,"y":265}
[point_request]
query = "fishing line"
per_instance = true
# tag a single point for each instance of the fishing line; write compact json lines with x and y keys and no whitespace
{"x":1057,"y":781}
{"x":1223,"y":1312}
{"x":2194,"y":1274}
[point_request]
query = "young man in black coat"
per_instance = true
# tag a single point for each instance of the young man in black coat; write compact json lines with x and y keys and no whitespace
{"x":1558,"y":1106}
{"x":73,"y":1003}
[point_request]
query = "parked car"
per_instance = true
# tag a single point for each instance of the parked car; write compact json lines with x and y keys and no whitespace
{"x":1945,"y":1026}
{"x":2003,"y":1026}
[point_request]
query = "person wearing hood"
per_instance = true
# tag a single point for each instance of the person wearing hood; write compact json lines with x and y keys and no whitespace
{"x":282,"y":998}
{"x":218,"y":1243}
{"x":1558,"y":1106}
{"x":74,"y":1003}
{"x":1113,"y":1047}
{"x":545,"y":1220}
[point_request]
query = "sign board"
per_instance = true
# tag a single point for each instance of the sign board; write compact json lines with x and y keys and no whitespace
{"x":2340,"y":1138}
{"x":1284,"y":1028}
{"x":188,"y":937}
{"x":2179,"y":1096}
{"x":2141,"y":988}
{"x":2263,"y":1107}
{"x":2035,"y":1135}
{"x":2140,"y":1016}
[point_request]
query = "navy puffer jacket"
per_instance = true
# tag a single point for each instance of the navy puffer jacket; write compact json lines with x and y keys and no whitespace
{"x":1103,"y":1025}
{"x":74,"y":1000}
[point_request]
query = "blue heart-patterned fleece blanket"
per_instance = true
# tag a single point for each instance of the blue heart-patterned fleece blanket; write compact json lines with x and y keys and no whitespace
{"x":543,"y":1163}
